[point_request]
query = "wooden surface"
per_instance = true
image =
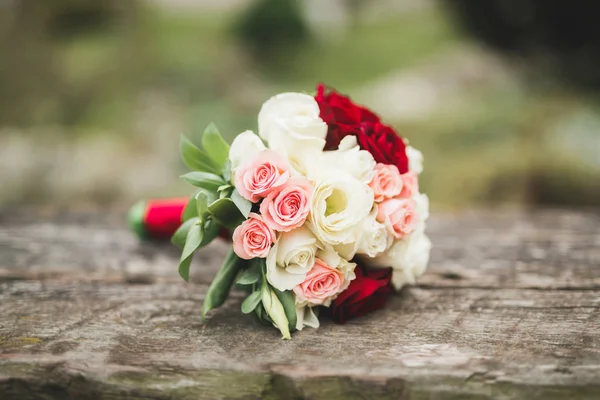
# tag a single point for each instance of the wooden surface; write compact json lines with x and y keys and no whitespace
{"x":509,"y":309}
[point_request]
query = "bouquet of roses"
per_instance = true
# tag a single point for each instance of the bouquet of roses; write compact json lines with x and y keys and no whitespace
{"x":324,"y":206}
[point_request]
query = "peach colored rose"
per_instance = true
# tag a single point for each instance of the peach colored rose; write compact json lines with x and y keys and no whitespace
{"x":265,"y":173}
{"x":386,"y":182}
{"x":322,"y":283}
{"x":398,"y":216}
{"x":253,"y":238}
{"x":287,"y":208}
{"x":410,"y":184}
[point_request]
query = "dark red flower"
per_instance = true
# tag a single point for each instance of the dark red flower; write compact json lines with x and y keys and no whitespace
{"x":366,"y":293}
{"x":344,"y":118}
{"x":384,"y":144}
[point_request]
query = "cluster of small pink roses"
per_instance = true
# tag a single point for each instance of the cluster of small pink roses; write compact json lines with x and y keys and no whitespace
{"x":394,"y":194}
{"x":284,"y":203}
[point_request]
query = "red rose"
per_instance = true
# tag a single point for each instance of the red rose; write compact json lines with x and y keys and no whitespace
{"x":366,"y":293}
{"x":384,"y":145}
{"x":344,"y":118}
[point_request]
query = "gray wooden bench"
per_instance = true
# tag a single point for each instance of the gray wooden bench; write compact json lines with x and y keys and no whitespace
{"x":509,"y":309}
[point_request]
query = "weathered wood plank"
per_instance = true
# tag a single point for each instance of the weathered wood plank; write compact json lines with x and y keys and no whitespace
{"x":426,"y":342}
{"x":510,"y":309}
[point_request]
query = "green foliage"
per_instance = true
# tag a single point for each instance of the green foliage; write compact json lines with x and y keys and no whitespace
{"x":192,"y":243}
{"x":253,"y":273}
{"x":209,"y":208}
{"x":243,"y":205}
{"x":190,"y":209}
{"x":221,"y":285}
{"x":214,"y":144}
{"x":204,"y":180}
{"x":180,"y":236}
{"x":226,"y":213}
{"x":211,"y":231}
{"x":201,"y":204}
{"x":196,"y":159}
{"x":251,"y":302}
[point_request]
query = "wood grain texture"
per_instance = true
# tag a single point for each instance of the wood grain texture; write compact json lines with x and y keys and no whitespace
{"x":509,"y":309}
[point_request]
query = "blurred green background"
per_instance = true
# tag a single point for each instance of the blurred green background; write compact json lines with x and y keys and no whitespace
{"x":500,"y":96}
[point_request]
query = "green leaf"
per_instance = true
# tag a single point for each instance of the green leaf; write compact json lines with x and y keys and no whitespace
{"x":219,"y":288}
{"x":260,"y":310}
{"x":180,"y":236}
{"x":184,"y":268}
{"x":226,"y":193}
{"x":262,"y":315}
{"x":211,"y":231}
{"x":223,"y":188}
{"x":196,"y":159}
{"x":189,"y":211}
{"x":227,"y":171}
{"x":245,"y":206}
{"x":253,"y":273}
{"x":289,"y":306}
{"x":192,"y":241}
{"x":204,"y":180}
{"x":274,"y":308}
{"x":215,"y":146}
{"x":226,"y":213}
{"x":202,"y":204}
{"x":251,"y":302}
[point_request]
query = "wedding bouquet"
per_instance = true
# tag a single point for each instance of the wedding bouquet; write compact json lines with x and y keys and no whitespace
{"x":323,"y":205}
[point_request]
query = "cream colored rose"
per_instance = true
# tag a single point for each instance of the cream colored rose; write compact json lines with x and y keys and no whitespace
{"x":415,"y":159}
{"x":348,"y":157}
{"x":290,"y":259}
{"x":290,"y":124}
{"x":306,"y":316}
{"x":408,"y":258}
{"x":422,"y":209}
{"x":244,"y":148}
{"x":339,"y":204}
{"x":373,"y":239}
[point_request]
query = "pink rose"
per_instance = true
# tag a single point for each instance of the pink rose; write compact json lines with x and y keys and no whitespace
{"x":320,"y":284}
{"x":386,"y":182}
{"x":410,"y":184}
{"x":265,"y":173}
{"x":287,"y":208}
{"x":253,"y":238}
{"x":398,"y":215}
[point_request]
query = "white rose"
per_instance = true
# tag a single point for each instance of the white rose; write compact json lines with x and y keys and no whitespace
{"x":422,"y":210}
{"x":348,"y":157}
{"x":290,"y":124}
{"x":408,"y":258}
{"x":292,"y":256}
{"x":373,"y":238}
{"x":415,"y":159}
{"x":339,"y":204}
{"x":244,"y":147}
